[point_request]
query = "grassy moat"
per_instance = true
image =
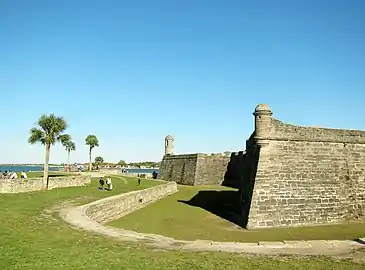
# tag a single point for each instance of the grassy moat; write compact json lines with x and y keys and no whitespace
{"x":180,"y":217}
{"x":33,"y":236}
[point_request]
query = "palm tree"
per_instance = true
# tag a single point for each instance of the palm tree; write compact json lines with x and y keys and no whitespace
{"x":91,"y":141}
{"x":69,"y":146}
{"x":99,"y":161}
{"x":48,"y":131}
{"x":122,"y":163}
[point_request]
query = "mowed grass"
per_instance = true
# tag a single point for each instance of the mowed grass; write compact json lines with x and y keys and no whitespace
{"x":175,"y":219}
{"x":32,"y":237}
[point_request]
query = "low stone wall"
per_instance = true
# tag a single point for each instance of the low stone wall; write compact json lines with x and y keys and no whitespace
{"x":34,"y":184}
{"x":115,"y":207}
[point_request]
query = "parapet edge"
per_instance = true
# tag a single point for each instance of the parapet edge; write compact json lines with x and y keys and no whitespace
{"x":289,"y":132}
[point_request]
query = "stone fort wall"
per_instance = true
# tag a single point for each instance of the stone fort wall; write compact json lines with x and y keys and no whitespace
{"x":288,"y":175}
{"x":303,"y":175}
{"x":194,"y":169}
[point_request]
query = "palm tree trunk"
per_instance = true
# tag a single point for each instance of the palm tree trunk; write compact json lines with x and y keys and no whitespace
{"x":68,"y":161}
{"x":90,"y":159}
{"x":46,"y":162}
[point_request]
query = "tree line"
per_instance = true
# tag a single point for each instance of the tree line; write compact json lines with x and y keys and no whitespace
{"x":99,"y":161}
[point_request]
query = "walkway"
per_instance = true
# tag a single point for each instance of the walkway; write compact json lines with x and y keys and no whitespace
{"x":77,"y":217}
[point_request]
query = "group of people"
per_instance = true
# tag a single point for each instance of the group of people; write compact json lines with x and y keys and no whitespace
{"x":12,"y":175}
{"x":108,"y":182}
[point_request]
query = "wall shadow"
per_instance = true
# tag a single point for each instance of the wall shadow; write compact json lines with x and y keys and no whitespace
{"x":222,"y":203}
{"x":248,"y":183}
{"x":234,"y":174}
{"x":241,"y":174}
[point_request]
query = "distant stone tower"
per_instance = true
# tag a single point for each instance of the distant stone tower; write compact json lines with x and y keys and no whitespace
{"x":263,"y":119}
{"x":169,"y":145}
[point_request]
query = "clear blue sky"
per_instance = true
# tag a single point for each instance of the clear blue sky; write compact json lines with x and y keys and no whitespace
{"x":134,"y":71}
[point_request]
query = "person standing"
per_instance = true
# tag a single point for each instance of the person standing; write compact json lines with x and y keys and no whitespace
{"x":101,"y":182}
{"x":109,"y":183}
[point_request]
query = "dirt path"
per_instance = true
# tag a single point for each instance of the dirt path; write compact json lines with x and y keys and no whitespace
{"x":77,"y":217}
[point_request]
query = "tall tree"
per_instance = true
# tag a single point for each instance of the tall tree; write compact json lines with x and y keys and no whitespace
{"x":92,"y":142}
{"x":99,"y":161}
{"x":122,"y":163}
{"x":48,"y":130}
{"x":69,"y":146}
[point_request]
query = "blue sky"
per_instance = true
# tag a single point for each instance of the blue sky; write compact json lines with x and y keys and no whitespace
{"x":132,"y":72}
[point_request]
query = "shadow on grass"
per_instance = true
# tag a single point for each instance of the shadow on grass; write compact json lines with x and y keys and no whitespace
{"x":223,"y":203}
{"x":57,"y":175}
{"x":53,"y":175}
{"x":360,"y":241}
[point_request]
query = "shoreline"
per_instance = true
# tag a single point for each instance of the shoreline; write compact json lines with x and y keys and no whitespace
{"x":145,"y":173}
{"x":30,"y":165}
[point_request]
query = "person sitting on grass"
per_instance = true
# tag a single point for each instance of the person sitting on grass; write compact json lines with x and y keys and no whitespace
{"x":101,"y":182}
{"x":23,"y":175}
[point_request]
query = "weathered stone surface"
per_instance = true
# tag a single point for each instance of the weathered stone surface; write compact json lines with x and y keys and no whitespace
{"x":169,"y":145}
{"x":115,"y":207}
{"x":306,"y":175}
{"x":194,"y":169}
{"x":210,"y":170}
{"x":34,"y":184}
{"x":179,"y":168}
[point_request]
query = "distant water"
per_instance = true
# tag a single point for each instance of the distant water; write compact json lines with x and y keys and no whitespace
{"x":141,"y":170}
{"x":24,"y":168}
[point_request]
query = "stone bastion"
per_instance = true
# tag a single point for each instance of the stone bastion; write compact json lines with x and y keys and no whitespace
{"x":288,"y":175}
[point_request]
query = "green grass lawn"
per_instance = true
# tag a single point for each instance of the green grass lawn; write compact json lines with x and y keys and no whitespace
{"x":181,"y":221}
{"x":33,"y":238}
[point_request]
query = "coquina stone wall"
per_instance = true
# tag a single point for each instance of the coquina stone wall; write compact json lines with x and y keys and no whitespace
{"x":179,"y":168}
{"x":194,"y":169}
{"x":211,"y":169}
{"x":34,"y":184}
{"x":302,"y":175}
{"x":115,"y":207}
